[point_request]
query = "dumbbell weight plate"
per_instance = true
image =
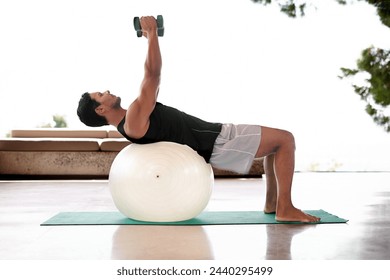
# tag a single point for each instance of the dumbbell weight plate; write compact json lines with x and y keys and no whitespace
{"x":137,"y":26}
{"x":160,"y":25}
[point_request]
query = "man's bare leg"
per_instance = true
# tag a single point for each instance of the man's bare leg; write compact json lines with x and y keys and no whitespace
{"x":281,"y":143}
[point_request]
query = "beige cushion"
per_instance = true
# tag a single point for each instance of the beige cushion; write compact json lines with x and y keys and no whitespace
{"x":49,"y":144}
{"x":114,"y":134}
{"x":58,"y":133}
{"x":113,"y":144}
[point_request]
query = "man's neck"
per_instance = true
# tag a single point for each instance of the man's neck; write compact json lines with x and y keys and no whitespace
{"x":115,"y":118}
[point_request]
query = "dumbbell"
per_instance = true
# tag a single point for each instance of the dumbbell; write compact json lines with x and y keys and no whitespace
{"x":160,"y":26}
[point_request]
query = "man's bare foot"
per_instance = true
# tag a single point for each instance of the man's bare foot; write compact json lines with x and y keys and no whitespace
{"x":270,"y":207}
{"x":295,"y":215}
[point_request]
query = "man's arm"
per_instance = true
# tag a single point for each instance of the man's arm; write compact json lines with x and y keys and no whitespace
{"x":138,"y":113}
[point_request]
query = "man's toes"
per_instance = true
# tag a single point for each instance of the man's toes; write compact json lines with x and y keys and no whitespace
{"x":313,"y":218}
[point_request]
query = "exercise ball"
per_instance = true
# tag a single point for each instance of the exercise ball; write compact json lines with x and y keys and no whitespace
{"x":160,"y":182}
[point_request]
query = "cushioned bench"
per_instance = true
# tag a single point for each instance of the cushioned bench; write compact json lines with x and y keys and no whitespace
{"x":68,"y":153}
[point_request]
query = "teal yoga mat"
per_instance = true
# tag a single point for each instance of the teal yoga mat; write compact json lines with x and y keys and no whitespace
{"x":205,"y":218}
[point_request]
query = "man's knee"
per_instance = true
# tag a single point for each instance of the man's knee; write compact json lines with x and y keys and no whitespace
{"x":288,"y":139}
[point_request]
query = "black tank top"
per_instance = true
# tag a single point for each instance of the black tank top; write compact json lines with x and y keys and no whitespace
{"x":172,"y":125}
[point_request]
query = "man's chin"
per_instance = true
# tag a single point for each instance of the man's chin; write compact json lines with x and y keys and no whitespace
{"x":118,"y":102}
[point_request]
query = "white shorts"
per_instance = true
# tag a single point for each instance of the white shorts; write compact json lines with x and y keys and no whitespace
{"x":235,"y":147}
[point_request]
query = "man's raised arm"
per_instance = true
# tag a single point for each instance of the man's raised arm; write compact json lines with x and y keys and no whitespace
{"x":137,"y":117}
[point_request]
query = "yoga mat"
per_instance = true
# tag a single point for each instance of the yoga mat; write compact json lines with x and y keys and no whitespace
{"x":205,"y":218}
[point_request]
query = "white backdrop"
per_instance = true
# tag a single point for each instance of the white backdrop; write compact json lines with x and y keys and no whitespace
{"x":223,"y":60}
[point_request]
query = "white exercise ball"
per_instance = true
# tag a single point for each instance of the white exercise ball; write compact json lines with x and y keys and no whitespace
{"x":160,"y":182}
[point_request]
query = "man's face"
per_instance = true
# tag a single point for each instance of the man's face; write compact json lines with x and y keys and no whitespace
{"x":106,"y":99}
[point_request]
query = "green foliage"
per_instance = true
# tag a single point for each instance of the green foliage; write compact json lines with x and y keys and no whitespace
{"x":292,"y":9}
{"x":383,"y":10}
{"x":59,"y":122}
{"x":375,"y":63}
{"x":286,"y":6}
{"x":45,"y":125}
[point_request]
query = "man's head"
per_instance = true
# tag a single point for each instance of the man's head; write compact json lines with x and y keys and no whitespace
{"x":94,"y":107}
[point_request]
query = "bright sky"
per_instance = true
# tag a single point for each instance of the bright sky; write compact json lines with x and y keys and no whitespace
{"x":223,"y":60}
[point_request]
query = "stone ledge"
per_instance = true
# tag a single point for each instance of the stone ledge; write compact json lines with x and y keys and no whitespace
{"x":65,"y":163}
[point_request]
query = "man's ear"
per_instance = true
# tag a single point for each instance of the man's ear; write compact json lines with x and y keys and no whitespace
{"x":100,"y":110}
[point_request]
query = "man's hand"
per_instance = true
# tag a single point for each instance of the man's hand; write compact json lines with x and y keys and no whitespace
{"x":149,"y":26}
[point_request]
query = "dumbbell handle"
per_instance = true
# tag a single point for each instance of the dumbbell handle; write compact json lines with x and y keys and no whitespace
{"x":160,"y":26}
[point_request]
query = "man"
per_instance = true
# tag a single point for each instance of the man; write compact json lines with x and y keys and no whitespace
{"x":225,"y":146}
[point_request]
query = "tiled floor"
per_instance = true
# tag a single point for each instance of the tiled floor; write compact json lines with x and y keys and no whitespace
{"x":363,"y":198}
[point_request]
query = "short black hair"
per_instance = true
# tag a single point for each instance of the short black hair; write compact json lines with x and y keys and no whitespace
{"x":86,"y":111}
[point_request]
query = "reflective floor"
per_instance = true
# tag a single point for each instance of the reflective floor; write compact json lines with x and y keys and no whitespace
{"x":362,"y":198}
